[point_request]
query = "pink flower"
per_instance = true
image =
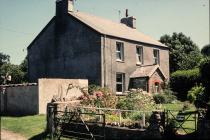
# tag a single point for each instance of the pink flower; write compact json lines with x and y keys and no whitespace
{"x":99,"y":94}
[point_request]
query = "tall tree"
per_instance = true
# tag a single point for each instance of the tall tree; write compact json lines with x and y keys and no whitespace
{"x":206,"y":50}
{"x":14,"y":71}
{"x":4,"y":58}
{"x":24,"y":69}
{"x":18,"y":73}
{"x":184,"y":53}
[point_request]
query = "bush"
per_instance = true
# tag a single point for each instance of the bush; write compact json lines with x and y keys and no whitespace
{"x":183,"y":80}
{"x":165,"y":97}
{"x":160,"y":98}
{"x":99,"y":97}
{"x":205,"y":76}
{"x":136,"y":100}
{"x":195,"y":92}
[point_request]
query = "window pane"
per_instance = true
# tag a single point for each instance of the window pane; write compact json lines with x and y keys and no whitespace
{"x":139,"y":54}
{"x":118,"y":55}
{"x":139,"y":83}
{"x":119,"y":88}
{"x":118,"y":47}
{"x":156,"y":56}
{"x":119,"y":78}
{"x":119,"y":51}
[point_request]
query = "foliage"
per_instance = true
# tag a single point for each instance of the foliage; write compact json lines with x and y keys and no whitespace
{"x":17,"y":76}
{"x":205,"y":77}
{"x":4,"y":58}
{"x":18,"y":73}
{"x":184,"y":53}
{"x":28,"y":126}
{"x":195,"y":93}
{"x":181,"y":81}
{"x":99,"y":97}
{"x":24,"y":68}
{"x":167,"y":96}
{"x":136,"y":100}
{"x":160,"y":98}
{"x":112,"y":118}
{"x":206,"y":50}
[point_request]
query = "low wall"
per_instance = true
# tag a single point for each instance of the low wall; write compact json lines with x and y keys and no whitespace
{"x":32,"y":98}
{"x":60,"y":88}
{"x":19,"y":99}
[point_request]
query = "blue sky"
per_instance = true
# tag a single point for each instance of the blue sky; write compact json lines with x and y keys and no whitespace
{"x":22,"y":20}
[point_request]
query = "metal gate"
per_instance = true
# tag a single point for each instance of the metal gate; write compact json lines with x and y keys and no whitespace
{"x":78,"y":124}
{"x":184,"y":122}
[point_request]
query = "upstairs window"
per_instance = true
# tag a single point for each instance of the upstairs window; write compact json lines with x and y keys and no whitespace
{"x":119,"y":51}
{"x":139,"y":55}
{"x":156,"y":56}
{"x":120,"y":83}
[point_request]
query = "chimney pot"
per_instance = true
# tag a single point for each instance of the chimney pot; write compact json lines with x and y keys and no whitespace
{"x":126,"y":13}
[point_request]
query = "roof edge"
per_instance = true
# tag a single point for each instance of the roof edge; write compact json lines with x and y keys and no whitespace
{"x":155,"y":69}
{"x":104,"y":33}
{"x":40,"y":33}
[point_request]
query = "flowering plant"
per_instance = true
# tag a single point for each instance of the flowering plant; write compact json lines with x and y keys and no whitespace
{"x":99,"y":97}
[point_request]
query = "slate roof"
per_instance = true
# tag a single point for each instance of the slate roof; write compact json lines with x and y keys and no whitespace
{"x":146,"y":71}
{"x":115,"y":29}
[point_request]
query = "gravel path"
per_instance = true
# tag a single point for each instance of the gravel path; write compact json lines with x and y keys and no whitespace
{"x":8,"y":135}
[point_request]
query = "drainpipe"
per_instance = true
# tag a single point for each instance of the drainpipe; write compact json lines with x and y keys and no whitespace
{"x":104,"y":61}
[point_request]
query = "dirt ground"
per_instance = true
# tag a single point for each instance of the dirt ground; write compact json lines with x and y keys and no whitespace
{"x":8,"y":135}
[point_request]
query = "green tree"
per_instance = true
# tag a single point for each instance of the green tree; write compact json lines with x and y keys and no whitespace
{"x":205,"y":75}
{"x":4,"y":58}
{"x":18,"y":73}
{"x":184,"y":53}
{"x":24,"y":69}
{"x":206,"y":50}
{"x":17,"y":76}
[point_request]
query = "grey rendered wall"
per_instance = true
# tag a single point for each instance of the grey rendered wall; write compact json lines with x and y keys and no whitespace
{"x":129,"y":65}
{"x":21,"y":100}
{"x":40,"y":52}
{"x":2,"y":99}
{"x":72,"y":51}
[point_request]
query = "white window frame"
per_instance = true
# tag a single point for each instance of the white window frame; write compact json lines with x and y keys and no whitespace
{"x":156,"y":58}
{"x":122,"y":83}
{"x":120,"y":51}
{"x":139,"y":55}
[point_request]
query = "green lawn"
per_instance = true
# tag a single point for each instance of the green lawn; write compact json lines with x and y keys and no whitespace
{"x":178,"y":106}
{"x":34,"y":126}
{"x":28,"y":126}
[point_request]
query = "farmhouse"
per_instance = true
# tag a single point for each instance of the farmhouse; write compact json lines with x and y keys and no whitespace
{"x":78,"y":45}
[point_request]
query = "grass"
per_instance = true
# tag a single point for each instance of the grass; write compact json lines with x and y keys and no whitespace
{"x":28,"y":126}
{"x":32,"y":127}
{"x":178,"y":106}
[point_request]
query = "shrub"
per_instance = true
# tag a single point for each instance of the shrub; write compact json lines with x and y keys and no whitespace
{"x":160,"y":98}
{"x":183,"y":80}
{"x":136,"y":100}
{"x":186,"y":105}
{"x":205,"y":77}
{"x":165,"y":97}
{"x":99,"y":97}
{"x":195,"y":92}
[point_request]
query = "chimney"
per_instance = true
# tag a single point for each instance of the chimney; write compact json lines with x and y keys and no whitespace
{"x":129,"y":21}
{"x":63,"y":7}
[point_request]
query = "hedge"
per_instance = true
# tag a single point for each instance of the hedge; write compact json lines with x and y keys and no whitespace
{"x":183,"y":80}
